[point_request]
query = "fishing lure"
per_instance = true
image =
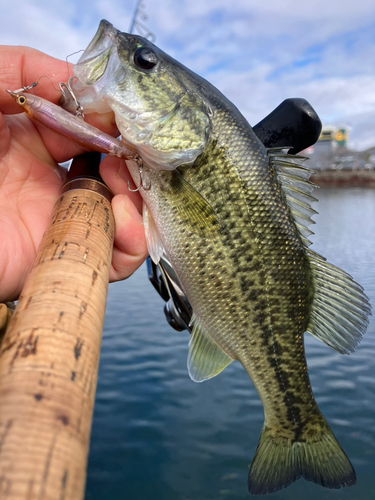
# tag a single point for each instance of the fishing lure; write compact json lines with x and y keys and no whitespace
{"x":70,"y":126}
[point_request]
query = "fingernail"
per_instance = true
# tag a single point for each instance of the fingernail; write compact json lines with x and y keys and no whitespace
{"x":121,"y":172}
{"x":131,"y":209}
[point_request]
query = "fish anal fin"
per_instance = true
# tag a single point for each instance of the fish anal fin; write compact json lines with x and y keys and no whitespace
{"x":340,"y":308}
{"x":206,"y":358}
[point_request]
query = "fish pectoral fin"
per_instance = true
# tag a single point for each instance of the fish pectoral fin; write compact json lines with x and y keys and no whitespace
{"x":340,"y":308}
{"x":206,"y":358}
{"x":154,"y":244}
{"x":193,"y":209}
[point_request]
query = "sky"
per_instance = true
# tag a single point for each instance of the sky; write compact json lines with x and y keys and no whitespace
{"x":257,"y":52}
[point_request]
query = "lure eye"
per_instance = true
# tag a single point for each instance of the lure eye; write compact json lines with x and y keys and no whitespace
{"x":21,"y":100}
{"x":145,"y":58}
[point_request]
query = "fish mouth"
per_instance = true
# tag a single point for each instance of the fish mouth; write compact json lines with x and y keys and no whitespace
{"x":94,"y":61}
{"x":94,"y":72}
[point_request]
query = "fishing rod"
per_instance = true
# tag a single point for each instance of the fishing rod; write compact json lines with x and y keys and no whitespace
{"x":141,"y":28}
{"x":49,"y":355}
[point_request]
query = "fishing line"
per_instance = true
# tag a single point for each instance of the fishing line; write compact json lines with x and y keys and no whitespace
{"x":34,"y":84}
{"x":67,"y":57}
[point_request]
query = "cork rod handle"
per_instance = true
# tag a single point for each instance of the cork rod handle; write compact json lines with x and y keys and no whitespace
{"x":50,"y":353}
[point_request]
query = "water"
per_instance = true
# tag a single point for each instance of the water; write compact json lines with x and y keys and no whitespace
{"x":157,"y":435}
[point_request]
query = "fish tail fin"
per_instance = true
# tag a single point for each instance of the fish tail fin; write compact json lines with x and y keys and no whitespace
{"x":280,"y":461}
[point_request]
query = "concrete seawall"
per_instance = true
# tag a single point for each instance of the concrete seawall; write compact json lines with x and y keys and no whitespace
{"x":344,"y":178}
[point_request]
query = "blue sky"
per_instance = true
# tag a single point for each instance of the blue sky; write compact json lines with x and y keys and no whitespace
{"x":258,"y":53}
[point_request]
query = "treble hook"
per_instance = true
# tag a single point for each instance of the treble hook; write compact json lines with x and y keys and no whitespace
{"x":146,"y":186}
{"x":79,"y":108}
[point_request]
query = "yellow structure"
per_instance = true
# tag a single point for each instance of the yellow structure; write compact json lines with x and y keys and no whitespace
{"x":337,"y":136}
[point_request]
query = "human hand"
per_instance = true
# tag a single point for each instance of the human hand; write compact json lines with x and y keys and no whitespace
{"x":30,"y":177}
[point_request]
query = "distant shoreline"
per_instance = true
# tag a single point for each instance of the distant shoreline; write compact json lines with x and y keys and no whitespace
{"x":344,"y":178}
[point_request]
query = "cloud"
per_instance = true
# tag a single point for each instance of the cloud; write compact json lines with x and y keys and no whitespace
{"x":42,"y":28}
{"x":256,"y":53}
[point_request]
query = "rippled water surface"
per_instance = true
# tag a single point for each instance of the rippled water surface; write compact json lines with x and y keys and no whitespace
{"x":158,"y":435}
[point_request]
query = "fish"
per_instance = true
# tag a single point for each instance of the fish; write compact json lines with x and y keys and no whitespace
{"x":232,"y":218}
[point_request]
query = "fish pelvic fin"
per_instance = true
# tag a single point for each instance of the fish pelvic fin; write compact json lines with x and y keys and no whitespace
{"x":279,"y":461}
{"x":206,"y":358}
{"x":154,"y":244}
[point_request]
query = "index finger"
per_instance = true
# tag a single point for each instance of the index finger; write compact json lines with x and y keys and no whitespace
{"x":21,"y":66}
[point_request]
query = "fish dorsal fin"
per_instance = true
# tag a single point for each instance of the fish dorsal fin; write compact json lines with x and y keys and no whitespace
{"x":340,"y":309}
{"x":206,"y":358}
{"x":154,"y":244}
{"x":293,"y":179}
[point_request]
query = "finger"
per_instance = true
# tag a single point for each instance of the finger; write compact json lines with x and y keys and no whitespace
{"x":21,"y":66}
{"x":116,"y":175}
{"x":50,"y":149}
{"x":130,"y":249}
{"x":4,"y":136}
{"x":62,"y":148}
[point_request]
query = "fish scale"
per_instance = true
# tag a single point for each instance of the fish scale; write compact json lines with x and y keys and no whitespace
{"x":253,"y":317}
{"x":232,"y":218}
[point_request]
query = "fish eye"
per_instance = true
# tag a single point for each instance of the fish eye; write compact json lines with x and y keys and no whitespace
{"x":145,"y":58}
{"x":21,"y":100}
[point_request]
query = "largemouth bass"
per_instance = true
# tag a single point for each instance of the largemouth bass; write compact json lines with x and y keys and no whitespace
{"x":232,"y":218}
